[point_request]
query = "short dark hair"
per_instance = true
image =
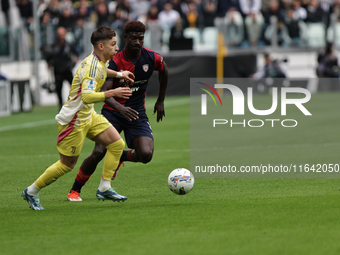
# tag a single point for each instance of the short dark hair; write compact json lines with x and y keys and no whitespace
{"x":101,"y":34}
{"x":134,"y":26}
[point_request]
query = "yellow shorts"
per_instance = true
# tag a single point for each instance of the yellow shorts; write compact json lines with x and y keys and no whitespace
{"x":71,"y":139}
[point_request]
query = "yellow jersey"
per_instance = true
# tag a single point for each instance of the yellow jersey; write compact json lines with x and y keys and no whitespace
{"x":85,"y":91}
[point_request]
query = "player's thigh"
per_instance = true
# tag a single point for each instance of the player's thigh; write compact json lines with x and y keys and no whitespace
{"x":113,"y":119}
{"x":102,"y":131}
{"x":138,"y":134}
{"x":71,"y":140}
{"x":108,"y":136}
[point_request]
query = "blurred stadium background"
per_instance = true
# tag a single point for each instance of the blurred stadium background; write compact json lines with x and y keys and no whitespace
{"x":198,"y":38}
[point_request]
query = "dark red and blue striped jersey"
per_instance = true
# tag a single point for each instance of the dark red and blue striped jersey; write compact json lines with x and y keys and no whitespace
{"x":142,"y":68}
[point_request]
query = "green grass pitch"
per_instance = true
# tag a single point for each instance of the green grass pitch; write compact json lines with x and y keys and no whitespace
{"x":219,"y":216}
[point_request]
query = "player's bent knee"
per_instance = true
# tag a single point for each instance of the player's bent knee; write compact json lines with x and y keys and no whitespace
{"x":70,"y":165}
{"x":98,"y":153}
{"x":118,"y":145}
{"x":121,"y":143}
{"x":64,"y":169}
{"x":69,"y":162}
{"x":146,"y":156}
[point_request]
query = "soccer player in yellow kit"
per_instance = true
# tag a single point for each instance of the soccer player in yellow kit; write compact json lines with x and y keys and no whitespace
{"x":77,"y":119}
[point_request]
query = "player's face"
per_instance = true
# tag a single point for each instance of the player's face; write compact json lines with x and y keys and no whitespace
{"x":134,"y":41}
{"x":110,"y":48}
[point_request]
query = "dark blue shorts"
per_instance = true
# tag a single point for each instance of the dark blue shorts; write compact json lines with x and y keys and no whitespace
{"x":132,"y":129}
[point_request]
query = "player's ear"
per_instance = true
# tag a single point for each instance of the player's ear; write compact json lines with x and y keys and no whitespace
{"x":100,"y":46}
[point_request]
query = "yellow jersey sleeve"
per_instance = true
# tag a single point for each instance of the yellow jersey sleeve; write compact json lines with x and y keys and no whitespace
{"x":92,"y":80}
{"x":89,"y":98}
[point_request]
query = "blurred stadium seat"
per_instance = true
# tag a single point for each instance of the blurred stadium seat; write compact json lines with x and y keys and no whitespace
{"x":315,"y":35}
{"x":254,"y":27}
{"x":334,"y":32}
{"x":147,"y":39}
{"x":234,"y":31}
{"x":166,"y":36}
{"x":209,"y":36}
{"x":194,"y":33}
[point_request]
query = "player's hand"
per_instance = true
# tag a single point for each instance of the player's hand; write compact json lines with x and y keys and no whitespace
{"x":129,"y":113}
{"x":129,"y":76}
{"x":159,"y":108}
{"x":122,"y":92}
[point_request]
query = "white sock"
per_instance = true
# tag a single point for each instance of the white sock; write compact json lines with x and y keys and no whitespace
{"x":33,"y":190}
{"x":104,"y":185}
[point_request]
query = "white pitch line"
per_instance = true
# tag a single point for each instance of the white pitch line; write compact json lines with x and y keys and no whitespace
{"x":168,"y":104}
{"x":28,"y":125}
{"x":56,"y":155}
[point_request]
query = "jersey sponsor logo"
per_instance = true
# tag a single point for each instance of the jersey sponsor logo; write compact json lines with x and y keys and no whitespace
{"x":91,"y":85}
{"x":134,"y":89}
{"x":141,"y":81}
{"x":146,"y":67}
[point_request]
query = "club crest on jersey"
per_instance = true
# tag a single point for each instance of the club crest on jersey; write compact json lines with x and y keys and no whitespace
{"x":145,"y":67}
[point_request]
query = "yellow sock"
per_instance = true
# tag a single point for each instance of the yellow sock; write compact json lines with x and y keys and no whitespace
{"x":114,"y":151}
{"x":51,"y":174}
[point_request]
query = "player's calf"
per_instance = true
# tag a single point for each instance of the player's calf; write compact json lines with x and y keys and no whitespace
{"x":90,"y":163}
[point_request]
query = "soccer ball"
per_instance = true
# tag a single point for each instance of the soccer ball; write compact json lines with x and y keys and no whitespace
{"x":181,"y":181}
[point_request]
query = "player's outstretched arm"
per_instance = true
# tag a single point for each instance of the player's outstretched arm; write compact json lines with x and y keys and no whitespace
{"x":124,"y":74}
{"x":127,"y":112}
{"x":94,"y":97}
{"x":121,"y":92}
{"x":163,"y":83}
